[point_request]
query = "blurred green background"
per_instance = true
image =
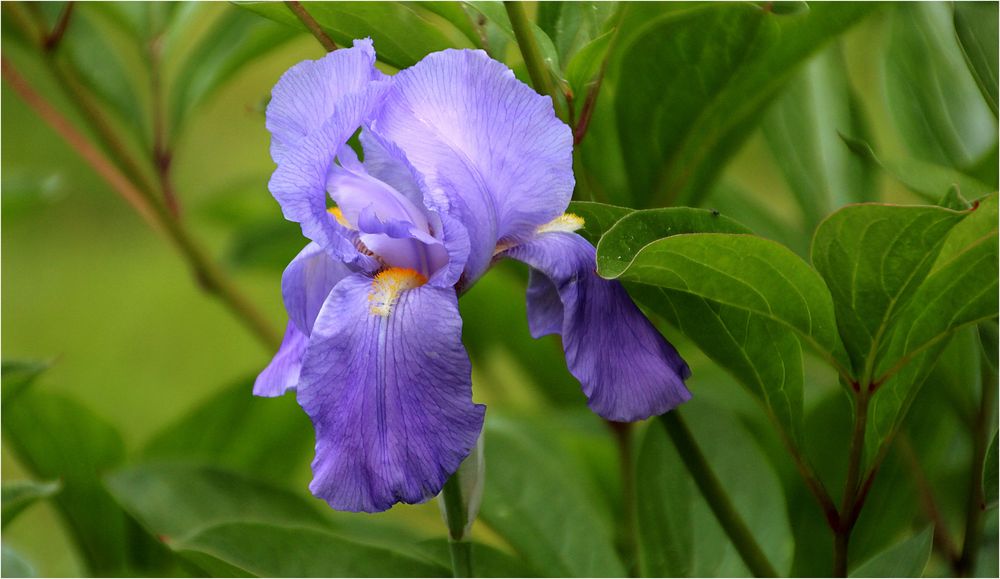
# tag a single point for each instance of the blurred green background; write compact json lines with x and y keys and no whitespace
{"x":89,"y":287}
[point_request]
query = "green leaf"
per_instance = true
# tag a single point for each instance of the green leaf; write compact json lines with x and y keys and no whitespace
{"x":976,"y":26}
{"x":58,"y":438}
{"x":905,"y":559}
{"x":493,"y":11}
{"x":597,"y":218}
{"x":13,"y":564}
{"x":694,"y":81}
{"x":760,"y":352}
{"x":960,"y":289}
{"x":266,"y":245}
{"x":456,"y":14}
{"x":924,"y":178}
{"x":991,"y":477}
{"x":665,"y":509}
{"x":746,"y":272}
{"x":237,"y":39}
{"x":227,"y":431}
{"x":16,"y":496}
{"x":930,"y":93}
{"x":802,"y":132}
{"x":873,"y":257}
{"x":535,"y":500}
{"x":403,"y":33}
{"x":18,"y":375}
{"x":486,"y":561}
{"x":572,"y":25}
{"x":172,"y":500}
{"x":270,"y":550}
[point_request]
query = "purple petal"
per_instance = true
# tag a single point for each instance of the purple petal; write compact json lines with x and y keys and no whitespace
{"x":627,"y":369}
{"x":306,"y":283}
{"x":307,"y":94}
{"x":282,"y":374}
{"x":390,"y":395}
{"x":490,"y":148}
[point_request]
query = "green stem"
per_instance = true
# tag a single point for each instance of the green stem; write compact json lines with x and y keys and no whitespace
{"x":975,"y":507}
{"x":457,"y":519}
{"x":629,"y":527}
{"x":533,"y":61}
{"x":850,"y":508}
{"x":716,"y":497}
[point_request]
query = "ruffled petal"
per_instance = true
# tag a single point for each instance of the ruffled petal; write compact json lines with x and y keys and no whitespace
{"x":627,"y":369}
{"x":306,"y":283}
{"x":307,"y":94}
{"x":387,"y":384}
{"x":282,"y":374}
{"x":489,"y":147}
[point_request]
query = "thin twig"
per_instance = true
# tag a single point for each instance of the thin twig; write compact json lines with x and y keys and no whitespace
{"x":105,"y":168}
{"x":310,"y":23}
{"x":942,"y":538}
{"x":54,"y":37}
{"x":976,"y":505}
{"x":855,"y":489}
{"x":162,"y":154}
{"x":153,"y":212}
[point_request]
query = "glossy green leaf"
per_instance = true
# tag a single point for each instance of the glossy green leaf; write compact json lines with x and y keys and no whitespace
{"x":228,"y":431}
{"x":58,"y":438}
{"x":573,"y":25}
{"x":597,"y":218}
{"x":695,"y":80}
{"x":536,"y":501}
{"x":486,"y":561}
{"x":930,"y":92}
{"x":666,"y":530}
{"x":13,"y":564}
{"x":976,"y":26}
{"x":266,"y":245}
{"x":271,"y":550}
{"x":905,"y":559}
{"x":173,"y":500}
{"x":929,"y":180}
{"x":991,"y":476}
{"x":456,"y":14}
{"x":802,"y":129}
{"x":237,"y":39}
{"x":746,"y":272}
{"x":17,"y":375}
{"x":403,"y":33}
{"x":960,"y":289}
{"x":761,"y":353}
{"x":15,"y":496}
{"x":873,"y":257}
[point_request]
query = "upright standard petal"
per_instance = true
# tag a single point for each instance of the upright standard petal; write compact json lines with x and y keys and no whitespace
{"x":309,"y":93}
{"x":315,"y":108}
{"x":627,"y":369}
{"x":489,"y":147}
{"x":387,"y":384}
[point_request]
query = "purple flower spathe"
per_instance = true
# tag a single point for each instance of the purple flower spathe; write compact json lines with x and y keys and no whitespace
{"x":463,"y":165}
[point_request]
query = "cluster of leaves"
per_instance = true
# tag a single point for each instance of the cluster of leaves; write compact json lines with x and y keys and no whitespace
{"x":891,"y":296}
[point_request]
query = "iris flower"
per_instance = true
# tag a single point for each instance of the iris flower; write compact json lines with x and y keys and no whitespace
{"x":463,"y":165}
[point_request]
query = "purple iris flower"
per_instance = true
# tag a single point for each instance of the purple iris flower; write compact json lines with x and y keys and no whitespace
{"x":463,"y":165}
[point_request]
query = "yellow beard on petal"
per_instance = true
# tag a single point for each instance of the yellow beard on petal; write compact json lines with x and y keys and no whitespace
{"x":339,"y":216}
{"x":387,"y":286}
{"x":567,"y":222}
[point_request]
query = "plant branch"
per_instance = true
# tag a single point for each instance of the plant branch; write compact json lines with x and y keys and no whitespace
{"x":541,"y":78}
{"x":206,"y":271}
{"x":976,"y":506}
{"x":310,"y":23}
{"x":853,"y":487}
{"x":942,"y":538}
{"x":162,"y":154}
{"x":53,"y":38}
{"x":715,"y":495}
